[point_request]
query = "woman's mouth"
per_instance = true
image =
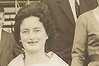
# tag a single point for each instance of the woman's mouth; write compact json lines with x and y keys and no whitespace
{"x":32,"y":42}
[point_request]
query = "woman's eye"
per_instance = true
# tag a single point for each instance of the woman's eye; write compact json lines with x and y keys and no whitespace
{"x":37,"y":30}
{"x":25,"y":31}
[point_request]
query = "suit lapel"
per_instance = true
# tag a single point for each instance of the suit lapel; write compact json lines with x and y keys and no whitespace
{"x":3,"y":40}
{"x":86,"y":5}
{"x":82,"y":6}
{"x":65,"y":6}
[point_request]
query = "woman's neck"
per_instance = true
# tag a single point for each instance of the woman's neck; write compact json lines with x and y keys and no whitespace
{"x":36,"y":58}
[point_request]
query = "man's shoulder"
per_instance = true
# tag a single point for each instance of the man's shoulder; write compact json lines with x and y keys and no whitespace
{"x":7,"y":34}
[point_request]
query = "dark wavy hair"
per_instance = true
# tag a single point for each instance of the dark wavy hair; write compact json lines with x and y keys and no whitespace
{"x":37,"y":9}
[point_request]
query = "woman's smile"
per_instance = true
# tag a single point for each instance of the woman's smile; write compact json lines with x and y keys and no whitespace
{"x":32,"y":42}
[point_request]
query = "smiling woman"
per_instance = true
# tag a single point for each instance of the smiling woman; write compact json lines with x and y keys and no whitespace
{"x":33,"y":27}
{"x":33,"y":35}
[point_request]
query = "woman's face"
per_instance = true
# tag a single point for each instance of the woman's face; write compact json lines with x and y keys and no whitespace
{"x":33,"y":34}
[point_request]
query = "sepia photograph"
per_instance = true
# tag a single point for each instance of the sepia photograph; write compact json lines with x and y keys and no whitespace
{"x":49,"y":32}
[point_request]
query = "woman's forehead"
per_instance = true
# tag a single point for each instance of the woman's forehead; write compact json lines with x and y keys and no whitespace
{"x":31,"y":22}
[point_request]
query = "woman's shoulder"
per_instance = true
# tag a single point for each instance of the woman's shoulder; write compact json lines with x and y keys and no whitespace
{"x":18,"y":61}
{"x":55,"y":60}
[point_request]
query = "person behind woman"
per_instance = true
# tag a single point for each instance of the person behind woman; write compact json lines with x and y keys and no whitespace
{"x":86,"y":40}
{"x":33,"y":27}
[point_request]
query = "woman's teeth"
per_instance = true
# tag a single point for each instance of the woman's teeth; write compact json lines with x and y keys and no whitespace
{"x":33,"y":42}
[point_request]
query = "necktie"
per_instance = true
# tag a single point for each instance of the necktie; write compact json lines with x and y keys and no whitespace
{"x":77,"y":8}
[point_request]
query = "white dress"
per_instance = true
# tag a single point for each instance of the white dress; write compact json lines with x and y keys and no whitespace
{"x":54,"y":61}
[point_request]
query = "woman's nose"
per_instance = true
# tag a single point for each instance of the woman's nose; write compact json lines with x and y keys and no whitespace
{"x":32,"y":35}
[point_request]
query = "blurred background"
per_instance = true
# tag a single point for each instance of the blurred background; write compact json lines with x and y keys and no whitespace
{"x":11,"y":8}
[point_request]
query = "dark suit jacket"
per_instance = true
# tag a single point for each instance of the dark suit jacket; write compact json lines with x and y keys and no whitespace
{"x":6,"y":48}
{"x":62,"y":15}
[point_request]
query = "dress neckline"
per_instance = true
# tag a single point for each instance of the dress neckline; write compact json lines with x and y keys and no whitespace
{"x":49,"y":55}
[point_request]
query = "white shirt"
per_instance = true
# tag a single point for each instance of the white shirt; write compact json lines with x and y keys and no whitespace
{"x":72,"y":5}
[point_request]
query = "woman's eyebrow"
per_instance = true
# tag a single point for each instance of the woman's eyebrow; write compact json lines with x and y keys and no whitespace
{"x":25,"y":29}
{"x":37,"y":28}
